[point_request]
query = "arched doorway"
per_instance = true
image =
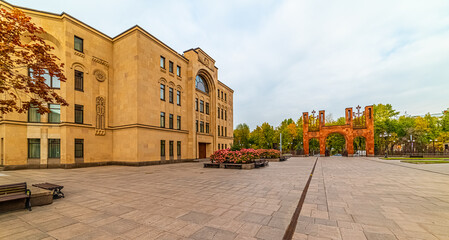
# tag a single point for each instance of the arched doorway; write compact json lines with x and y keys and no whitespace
{"x":359,"y":146}
{"x":314,"y":146}
{"x":335,"y":145}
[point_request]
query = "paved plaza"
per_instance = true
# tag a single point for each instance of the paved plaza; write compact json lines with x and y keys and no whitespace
{"x":348,"y":198}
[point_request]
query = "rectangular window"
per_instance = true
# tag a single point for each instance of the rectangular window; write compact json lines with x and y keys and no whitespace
{"x":222,"y":146}
{"x":207,"y":127}
{"x":170,"y":66}
{"x":201,"y":106}
{"x":221,"y":95}
{"x":218,"y":133}
{"x":54,"y":148}
{"x":196,"y":104}
{"x":170,"y":121}
{"x":225,"y":97}
{"x":178,"y":148}
{"x":79,"y":45}
{"x":162,"y":119}
{"x":162,"y":148}
{"x":162,"y":92}
{"x":79,"y":80}
{"x":55,"y":113}
{"x":178,"y":97}
{"x":202,"y":126}
{"x":226,"y":115}
{"x":222,"y":113}
{"x":178,"y":122}
{"x":218,"y":146}
{"x":34,"y":148}
{"x":79,"y":112}
{"x":170,"y":148}
{"x":79,"y":148}
{"x":207,"y":108}
{"x":52,"y":82}
{"x":178,"y":71}
{"x":218,"y":113}
{"x":33,"y":115}
{"x":226,"y":146}
{"x":196,"y":125}
{"x":226,"y":131}
{"x":218,"y":93}
{"x":162,"y":62}
{"x":170,"y":95}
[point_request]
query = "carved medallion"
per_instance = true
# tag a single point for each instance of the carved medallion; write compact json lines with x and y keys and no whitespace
{"x":100,"y":75}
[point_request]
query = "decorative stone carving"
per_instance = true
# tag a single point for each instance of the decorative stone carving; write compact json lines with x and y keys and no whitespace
{"x":202,"y":58}
{"x":79,"y":54}
{"x":101,"y":113}
{"x":100,"y":75}
{"x":100,"y":61}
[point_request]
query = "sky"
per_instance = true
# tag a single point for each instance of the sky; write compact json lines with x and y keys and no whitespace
{"x":285,"y":57}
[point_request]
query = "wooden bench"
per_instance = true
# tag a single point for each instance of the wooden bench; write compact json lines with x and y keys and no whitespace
{"x":15,"y":191}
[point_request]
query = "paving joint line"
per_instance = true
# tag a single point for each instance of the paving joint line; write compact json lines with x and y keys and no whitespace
{"x":288,"y":235}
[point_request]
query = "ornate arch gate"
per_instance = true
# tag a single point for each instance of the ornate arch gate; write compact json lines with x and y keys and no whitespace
{"x":360,"y":124}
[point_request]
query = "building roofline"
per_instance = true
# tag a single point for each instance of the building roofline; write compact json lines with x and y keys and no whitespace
{"x":199,"y":49}
{"x":226,"y":86}
{"x":149,"y":35}
{"x":124,"y":33}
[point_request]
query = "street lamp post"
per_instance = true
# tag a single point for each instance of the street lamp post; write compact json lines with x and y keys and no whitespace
{"x":411,"y":146}
{"x":385,"y":135}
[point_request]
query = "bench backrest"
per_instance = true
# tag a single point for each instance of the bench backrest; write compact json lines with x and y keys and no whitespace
{"x":13,"y":188}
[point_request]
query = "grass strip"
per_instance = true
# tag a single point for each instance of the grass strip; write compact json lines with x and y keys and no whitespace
{"x":404,"y":158}
{"x":424,"y":162}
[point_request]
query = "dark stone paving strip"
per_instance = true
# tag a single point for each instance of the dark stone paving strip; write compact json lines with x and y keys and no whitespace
{"x":394,"y":164}
{"x":292,"y":226}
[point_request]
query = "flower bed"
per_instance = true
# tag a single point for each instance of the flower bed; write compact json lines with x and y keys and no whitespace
{"x":243,"y":156}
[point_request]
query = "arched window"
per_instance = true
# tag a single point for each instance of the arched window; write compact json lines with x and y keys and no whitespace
{"x":201,"y":85}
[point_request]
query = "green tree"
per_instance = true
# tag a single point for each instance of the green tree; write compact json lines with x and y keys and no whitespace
{"x":384,"y":122}
{"x":262,"y":136}
{"x":241,"y":136}
{"x":335,"y":143}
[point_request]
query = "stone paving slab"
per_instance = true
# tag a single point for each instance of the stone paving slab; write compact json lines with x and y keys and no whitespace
{"x":348,"y":198}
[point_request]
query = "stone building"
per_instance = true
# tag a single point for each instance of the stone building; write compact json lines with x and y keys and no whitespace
{"x":133,"y":100}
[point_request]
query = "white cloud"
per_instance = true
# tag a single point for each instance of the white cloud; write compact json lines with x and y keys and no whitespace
{"x":286,"y":57}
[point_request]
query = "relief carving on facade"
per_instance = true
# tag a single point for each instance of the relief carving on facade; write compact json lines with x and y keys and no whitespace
{"x":101,"y":115}
{"x":100,"y":75}
{"x":79,"y":54}
{"x":100,"y":61}
{"x":202,"y":58}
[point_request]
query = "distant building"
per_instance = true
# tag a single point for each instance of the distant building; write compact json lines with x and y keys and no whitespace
{"x":133,"y":100}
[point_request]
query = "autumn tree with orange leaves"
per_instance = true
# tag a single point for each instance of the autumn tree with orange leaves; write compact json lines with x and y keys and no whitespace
{"x":23,"y":50}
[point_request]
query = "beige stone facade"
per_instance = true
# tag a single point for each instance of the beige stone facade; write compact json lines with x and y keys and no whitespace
{"x":115,"y":107}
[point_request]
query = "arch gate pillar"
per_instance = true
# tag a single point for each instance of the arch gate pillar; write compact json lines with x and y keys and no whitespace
{"x":350,"y":145}
{"x":306,"y":146}
{"x":322,"y":146}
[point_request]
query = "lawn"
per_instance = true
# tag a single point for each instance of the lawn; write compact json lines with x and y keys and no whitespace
{"x":424,"y":161}
{"x":404,"y":158}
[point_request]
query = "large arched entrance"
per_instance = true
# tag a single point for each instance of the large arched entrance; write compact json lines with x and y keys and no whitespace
{"x":360,"y":124}
{"x":314,"y":146}
{"x":335,"y":145}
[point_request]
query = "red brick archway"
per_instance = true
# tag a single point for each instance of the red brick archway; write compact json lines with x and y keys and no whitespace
{"x":360,"y":125}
